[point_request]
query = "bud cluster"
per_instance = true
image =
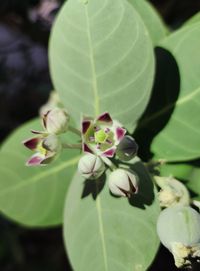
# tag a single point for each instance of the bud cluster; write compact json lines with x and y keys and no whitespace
{"x":104,"y":138}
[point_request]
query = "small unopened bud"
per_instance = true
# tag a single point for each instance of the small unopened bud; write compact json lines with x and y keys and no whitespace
{"x":127,"y":148}
{"x":56,"y":121}
{"x":178,"y":228}
{"x":52,"y":143}
{"x":123,"y":183}
{"x":172,"y":192}
{"x":91,"y":166}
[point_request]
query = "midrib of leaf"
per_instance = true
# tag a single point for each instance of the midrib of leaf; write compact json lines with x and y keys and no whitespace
{"x":101,"y":229}
{"x":96,"y":113}
{"x":180,"y":102}
{"x":94,"y":76}
{"x":38,"y":177}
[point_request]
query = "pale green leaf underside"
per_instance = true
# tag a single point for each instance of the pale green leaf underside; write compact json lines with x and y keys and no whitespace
{"x":153,"y":22}
{"x":109,"y":234}
{"x":101,"y":59}
{"x":180,"y":139}
{"x":33,"y":196}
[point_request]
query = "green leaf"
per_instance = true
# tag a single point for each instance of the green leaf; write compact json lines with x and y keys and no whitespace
{"x":192,"y":20}
{"x":180,"y":138}
{"x":105,"y":233}
{"x":153,"y":22}
{"x":180,"y":171}
{"x":33,"y":196}
{"x":101,"y":59}
{"x":194,"y":183}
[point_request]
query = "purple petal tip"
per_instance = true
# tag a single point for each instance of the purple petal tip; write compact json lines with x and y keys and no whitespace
{"x":109,"y":153}
{"x":35,"y":160}
{"x":31,"y":143}
{"x":120,"y":132}
{"x":105,"y":117}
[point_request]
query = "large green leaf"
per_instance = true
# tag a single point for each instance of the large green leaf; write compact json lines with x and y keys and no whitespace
{"x":152,"y":20}
{"x":33,"y":196}
{"x":180,"y":139}
{"x":101,"y":59}
{"x":194,"y":19}
{"x":180,"y":171}
{"x":105,"y":233}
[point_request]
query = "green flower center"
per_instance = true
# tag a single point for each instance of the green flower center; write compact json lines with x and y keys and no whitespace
{"x":41,"y":149}
{"x":100,"y":136}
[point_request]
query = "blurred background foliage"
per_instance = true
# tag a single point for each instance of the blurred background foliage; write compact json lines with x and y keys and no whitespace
{"x":25,"y":85}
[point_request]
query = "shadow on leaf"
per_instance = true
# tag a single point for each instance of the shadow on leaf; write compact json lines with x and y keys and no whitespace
{"x":162,"y":103}
{"x":93,"y":187}
{"x":145,"y":194}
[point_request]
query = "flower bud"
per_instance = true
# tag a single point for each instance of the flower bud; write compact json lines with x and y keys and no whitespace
{"x":178,"y":228}
{"x":123,"y":183}
{"x":91,"y":166}
{"x":172,"y":192}
{"x":127,"y":148}
{"x":56,"y":121}
{"x":52,"y":102}
{"x":52,"y":143}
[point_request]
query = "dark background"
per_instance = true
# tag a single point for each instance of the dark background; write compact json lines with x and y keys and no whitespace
{"x":24,"y":86}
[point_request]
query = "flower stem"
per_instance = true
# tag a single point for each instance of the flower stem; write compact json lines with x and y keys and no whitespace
{"x":72,"y":146}
{"x":74,"y":130}
{"x":109,"y":163}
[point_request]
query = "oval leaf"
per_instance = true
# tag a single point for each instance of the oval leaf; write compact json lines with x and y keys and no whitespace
{"x":153,"y":22}
{"x":105,"y":233}
{"x":33,"y":196}
{"x":180,"y":139}
{"x":101,"y":59}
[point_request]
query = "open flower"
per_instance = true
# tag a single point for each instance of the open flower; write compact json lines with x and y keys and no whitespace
{"x":46,"y":148}
{"x":101,"y":136}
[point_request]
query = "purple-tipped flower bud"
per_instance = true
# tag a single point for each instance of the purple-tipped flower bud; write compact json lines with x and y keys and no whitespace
{"x":56,"y":121}
{"x":91,"y":166}
{"x":46,"y":149}
{"x":123,"y":183}
{"x":127,"y":148}
{"x":178,"y":228}
{"x":52,"y":143}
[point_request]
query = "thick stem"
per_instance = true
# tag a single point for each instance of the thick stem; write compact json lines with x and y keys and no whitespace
{"x":109,"y":163}
{"x":74,"y":130}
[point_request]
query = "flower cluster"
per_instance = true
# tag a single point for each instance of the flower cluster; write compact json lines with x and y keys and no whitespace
{"x":102,"y":140}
